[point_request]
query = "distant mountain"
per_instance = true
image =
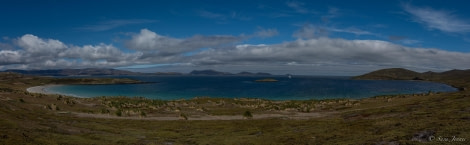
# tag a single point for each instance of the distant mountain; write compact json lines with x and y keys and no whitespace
{"x":75,"y":72}
{"x":103,"y":72}
{"x":214,"y":72}
{"x":244,"y":73}
{"x":168,"y":73}
{"x":252,"y":74}
{"x":208,"y":72}
{"x":263,"y":74}
{"x":456,"y":78}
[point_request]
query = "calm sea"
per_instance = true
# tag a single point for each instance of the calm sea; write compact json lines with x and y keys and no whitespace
{"x":295,"y":88}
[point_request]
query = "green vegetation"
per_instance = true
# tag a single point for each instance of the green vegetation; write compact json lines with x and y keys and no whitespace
{"x":183,"y":116}
{"x":118,"y":112}
{"x":389,"y":119}
{"x":247,"y":115}
{"x":143,"y":114}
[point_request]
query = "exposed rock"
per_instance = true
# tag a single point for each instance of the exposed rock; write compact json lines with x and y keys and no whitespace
{"x":423,"y":136}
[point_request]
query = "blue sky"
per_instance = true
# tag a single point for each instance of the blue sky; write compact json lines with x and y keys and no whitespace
{"x":300,"y":37}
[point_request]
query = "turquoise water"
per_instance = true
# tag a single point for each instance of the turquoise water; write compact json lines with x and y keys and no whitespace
{"x":296,"y":88}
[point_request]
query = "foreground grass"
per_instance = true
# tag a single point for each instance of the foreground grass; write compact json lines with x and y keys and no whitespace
{"x":27,"y":118}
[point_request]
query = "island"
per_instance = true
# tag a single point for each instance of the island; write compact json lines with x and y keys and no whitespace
{"x":267,"y":80}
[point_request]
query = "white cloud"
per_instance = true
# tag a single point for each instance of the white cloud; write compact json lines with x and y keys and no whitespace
{"x":39,"y":53}
{"x":147,"y":40}
{"x":36,"y":45}
{"x":314,"y":55}
{"x":335,"y":52}
{"x":438,"y":19}
{"x":99,"y":52}
{"x":9,"y":57}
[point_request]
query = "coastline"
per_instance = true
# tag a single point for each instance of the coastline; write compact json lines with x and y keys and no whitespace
{"x":41,"y":89}
{"x":390,"y":119}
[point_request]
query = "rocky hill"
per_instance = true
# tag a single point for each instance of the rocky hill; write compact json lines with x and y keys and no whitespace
{"x":392,"y":74}
{"x":456,"y":78}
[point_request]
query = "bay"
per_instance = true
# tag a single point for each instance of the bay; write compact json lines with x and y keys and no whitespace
{"x":295,"y":88}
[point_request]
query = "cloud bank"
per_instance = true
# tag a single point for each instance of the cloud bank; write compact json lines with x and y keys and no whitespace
{"x":306,"y":55}
{"x":38,"y":53}
{"x":147,"y":40}
{"x":327,"y":51}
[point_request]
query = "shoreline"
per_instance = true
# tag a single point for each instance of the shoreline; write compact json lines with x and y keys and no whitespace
{"x":41,"y":89}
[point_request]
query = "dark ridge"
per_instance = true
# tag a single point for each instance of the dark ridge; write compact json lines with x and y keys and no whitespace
{"x":74,"y":72}
{"x":392,"y":74}
{"x":168,"y":73}
{"x":115,"y":72}
{"x":208,"y":72}
{"x":456,"y":78}
{"x":251,"y":74}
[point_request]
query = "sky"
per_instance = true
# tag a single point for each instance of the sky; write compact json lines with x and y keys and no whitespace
{"x":331,"y":37}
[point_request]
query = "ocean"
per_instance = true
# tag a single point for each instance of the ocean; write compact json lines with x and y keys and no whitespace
{"x":295,"y":88}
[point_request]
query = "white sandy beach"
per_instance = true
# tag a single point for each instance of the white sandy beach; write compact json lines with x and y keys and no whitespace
{"x":40,"y":89}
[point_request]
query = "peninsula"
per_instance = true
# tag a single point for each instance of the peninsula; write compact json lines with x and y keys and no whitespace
{"x":457,"y":78}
